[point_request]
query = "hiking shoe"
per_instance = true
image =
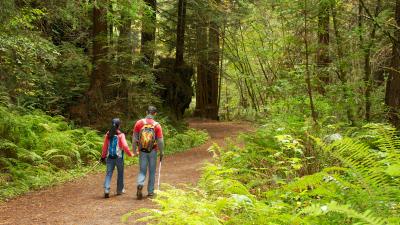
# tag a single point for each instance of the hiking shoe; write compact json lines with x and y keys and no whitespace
{"x":150,"y":195}
{"x":106,"y":195}
{"x":122,"y":192}
{"x":139,"y":193}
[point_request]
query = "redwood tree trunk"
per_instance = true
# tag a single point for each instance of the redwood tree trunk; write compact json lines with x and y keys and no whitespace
{"x":98,"y":89}
{"x":201,"y":81}
{"x":392,"y":98}
{"x":180,"y":33}
{"x":213,"y":71}
{"x":149,"y":34}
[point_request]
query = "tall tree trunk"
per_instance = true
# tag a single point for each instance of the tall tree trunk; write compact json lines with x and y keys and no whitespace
{"x":392,"y":98}
{"x":323,"y":58}
{"x":149,"y":33}
{"x":308,"y":75}
{"x":98,"y":89}
{"x":213,"y":70}
{"x":221,"y":64}
{"x":180,"y":33}
{"x":201,"y":81}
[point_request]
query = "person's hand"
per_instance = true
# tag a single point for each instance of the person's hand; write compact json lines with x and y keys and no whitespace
{"x":103,"y":160}
{"x":134,"y":151}
{"x":161,"y":156}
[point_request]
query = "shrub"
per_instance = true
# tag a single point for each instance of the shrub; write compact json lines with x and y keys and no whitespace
{"x":261,"y":183}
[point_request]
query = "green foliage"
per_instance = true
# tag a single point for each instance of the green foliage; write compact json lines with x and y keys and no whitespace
{"x":37,"y":150}
{"x":27,"y":70}
{"x":261,"y":183}
{"x":178,"y":142}
{"x":366,"y":218}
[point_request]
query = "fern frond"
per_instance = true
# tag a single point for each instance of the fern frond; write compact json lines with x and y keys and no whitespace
{"x":366,"y":217}
{"x":366,"y":162}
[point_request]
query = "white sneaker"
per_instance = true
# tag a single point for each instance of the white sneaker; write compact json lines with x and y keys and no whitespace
{"x":122,"y":192}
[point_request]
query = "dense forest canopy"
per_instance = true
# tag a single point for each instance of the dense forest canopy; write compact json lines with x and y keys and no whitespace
{"x":89,"y":59}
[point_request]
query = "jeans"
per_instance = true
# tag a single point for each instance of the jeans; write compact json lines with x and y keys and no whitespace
{"x":147,"y":160}
{"x":111,"y":163}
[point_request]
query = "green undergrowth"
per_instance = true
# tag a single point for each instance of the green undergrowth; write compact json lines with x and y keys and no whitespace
{"x":37,"y":150}
{"x":180,"y":142}
{"x":291,"y":173}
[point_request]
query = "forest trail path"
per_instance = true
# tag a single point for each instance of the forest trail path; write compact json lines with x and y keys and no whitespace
{"x":81,"y":201}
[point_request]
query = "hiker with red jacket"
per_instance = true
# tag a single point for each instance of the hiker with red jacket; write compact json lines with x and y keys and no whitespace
{"x":113,"y":154}
{"x":147,"y":140}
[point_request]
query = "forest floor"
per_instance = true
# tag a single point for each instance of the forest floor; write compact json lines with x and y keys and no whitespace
{"x":81,"y":201}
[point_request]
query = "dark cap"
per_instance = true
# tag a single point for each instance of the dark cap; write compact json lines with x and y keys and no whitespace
{"x":151,"y":109}
{"x":116,"y":122}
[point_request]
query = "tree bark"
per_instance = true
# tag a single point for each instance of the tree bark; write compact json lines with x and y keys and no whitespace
{"x":323,"y":58}
{"x":392,"y":98}
{"x":213,"y":71}
{"x":208,"y":54}
{"x":201,"y":81}
{"x":149,"y":33}
{"x":98,"y":89}
{"x":221,"y":64}
{"x":180,"y":34}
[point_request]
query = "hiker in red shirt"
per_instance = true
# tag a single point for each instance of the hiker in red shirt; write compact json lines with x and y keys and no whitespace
{"x":147,"y":140}
{"x":113,"y":154}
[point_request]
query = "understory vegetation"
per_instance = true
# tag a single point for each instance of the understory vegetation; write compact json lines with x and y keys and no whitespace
{"x":289,"y":172}
{"x":37,"y":150}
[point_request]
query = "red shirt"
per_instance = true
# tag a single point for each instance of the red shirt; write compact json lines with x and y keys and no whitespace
{"x":122,"y":144}
{"x":157,"y":129}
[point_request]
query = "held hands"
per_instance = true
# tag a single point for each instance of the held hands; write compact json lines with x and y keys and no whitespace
{"x":135,"y":152}
{"x":161,"y":156}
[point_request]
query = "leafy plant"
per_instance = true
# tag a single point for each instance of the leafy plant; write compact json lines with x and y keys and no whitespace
{"x":358,"y":184}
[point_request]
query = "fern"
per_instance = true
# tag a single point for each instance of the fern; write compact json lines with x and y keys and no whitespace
{"x":365,"y":218}
{"x":376,"y":168}
{"x":4,"y":97}
{"x":359,"y":176}
{"x":34,"y":147}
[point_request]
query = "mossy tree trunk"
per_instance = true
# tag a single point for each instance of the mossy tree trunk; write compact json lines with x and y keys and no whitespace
{"x":392,"y":98}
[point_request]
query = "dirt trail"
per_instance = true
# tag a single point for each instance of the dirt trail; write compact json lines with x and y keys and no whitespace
{"x":81,"y":201}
